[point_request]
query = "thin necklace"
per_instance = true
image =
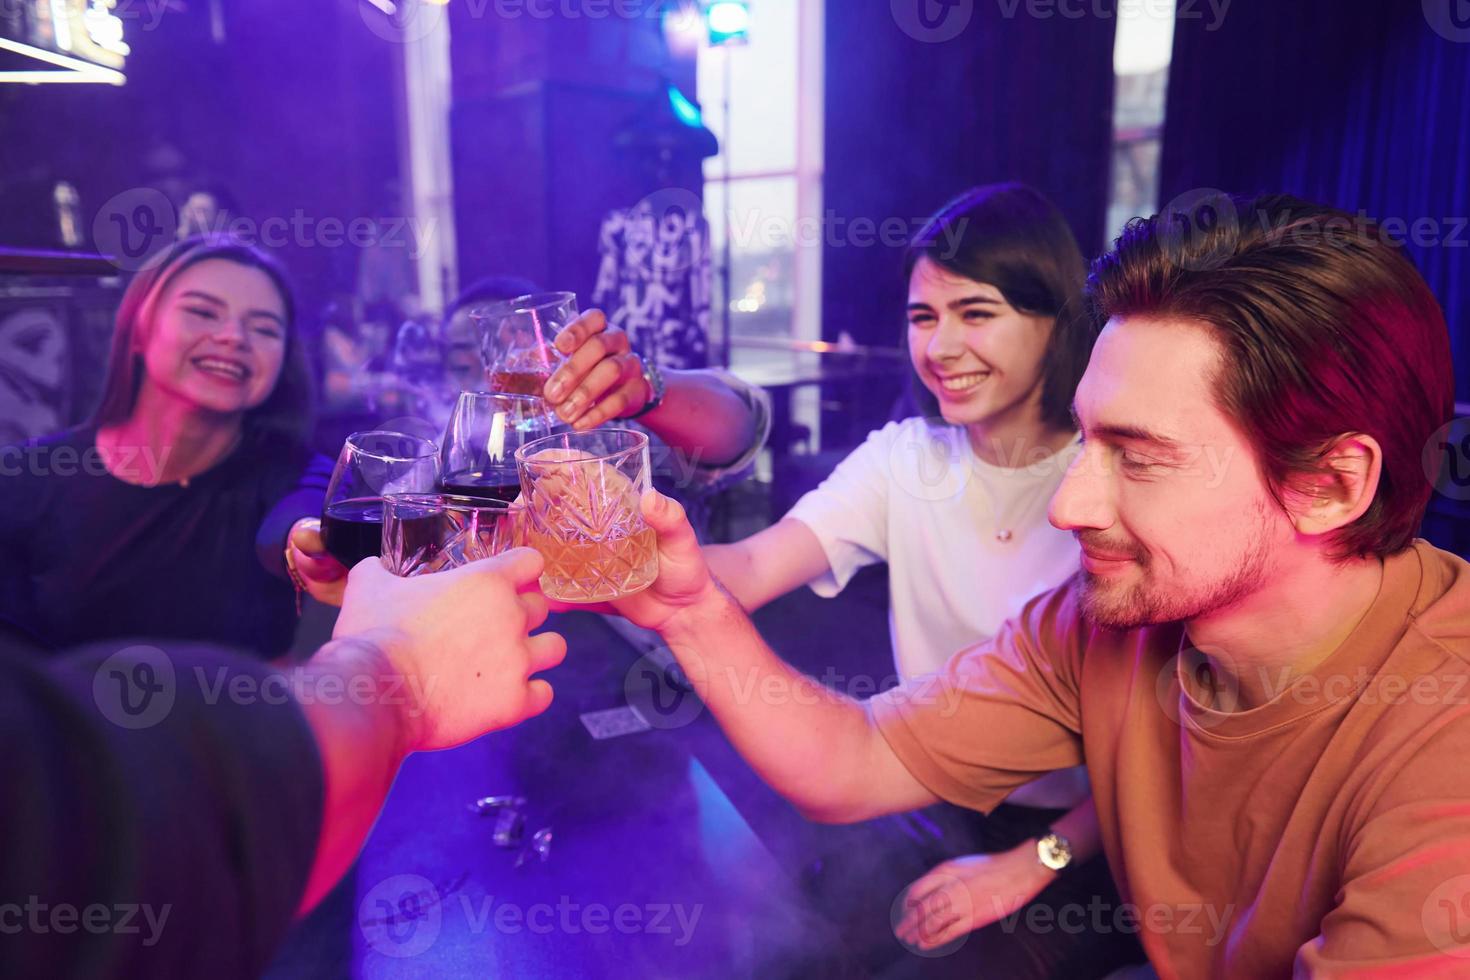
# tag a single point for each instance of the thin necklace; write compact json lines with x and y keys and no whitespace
{"x":234,"y":444}
{"x":1005,"y":524}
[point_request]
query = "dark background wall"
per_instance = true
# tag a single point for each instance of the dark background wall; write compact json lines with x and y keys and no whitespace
{"x":538,"y":106}
{"x":911,"y":123}
{"x":1365,"y":106}
{"x":288,"y":107}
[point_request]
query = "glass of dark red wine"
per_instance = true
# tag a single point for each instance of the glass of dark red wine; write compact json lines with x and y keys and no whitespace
{"x":516,"y":340}
{"x":485,"y":429}
{"x":370,"y":466}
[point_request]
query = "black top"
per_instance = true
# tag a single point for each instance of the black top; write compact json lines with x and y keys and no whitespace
{"x":85,"y":556}
{"x":172,"y":837}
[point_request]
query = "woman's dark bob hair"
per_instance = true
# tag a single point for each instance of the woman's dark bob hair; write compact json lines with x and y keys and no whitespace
{"x":1011,"y":237}
{"x":285,"y":415}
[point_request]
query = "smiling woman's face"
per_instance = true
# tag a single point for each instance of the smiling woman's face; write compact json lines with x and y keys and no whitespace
{"x":979,"y":356}
{"x":217,"y":337}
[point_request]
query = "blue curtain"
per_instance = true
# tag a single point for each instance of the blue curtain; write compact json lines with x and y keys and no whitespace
{"x":1365,"y":106}
{"x":926,"y":99}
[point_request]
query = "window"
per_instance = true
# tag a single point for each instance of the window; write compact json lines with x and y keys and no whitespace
{"x":764,"y":187}
{"x":1141,"y":54}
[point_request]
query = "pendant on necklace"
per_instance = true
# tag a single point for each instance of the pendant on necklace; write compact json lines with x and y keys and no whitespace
{"x":1003,"y":535}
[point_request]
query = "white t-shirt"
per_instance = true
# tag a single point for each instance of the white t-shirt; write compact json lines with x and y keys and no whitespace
{"x":916,"y":496}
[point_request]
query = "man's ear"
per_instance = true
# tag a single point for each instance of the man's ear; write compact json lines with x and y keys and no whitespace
{"x":1342,"y":487}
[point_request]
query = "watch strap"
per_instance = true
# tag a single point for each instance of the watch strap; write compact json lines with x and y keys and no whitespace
{"x":655,"y":379}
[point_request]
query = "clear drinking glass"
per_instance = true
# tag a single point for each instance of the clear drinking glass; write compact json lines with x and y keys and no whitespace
{"x":430,"y":532}
{"x":581,"y":493}
{"x":485,"y":430}
{"x":516,"y":340}
{"x":371,"y":465}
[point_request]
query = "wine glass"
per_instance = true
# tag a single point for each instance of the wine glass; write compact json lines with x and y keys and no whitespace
{"x":516,"y":338}
{"x":371,"y":465}
{"x":485,"y":430}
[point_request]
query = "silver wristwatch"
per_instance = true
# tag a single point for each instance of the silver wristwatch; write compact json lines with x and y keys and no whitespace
{"x":655,"y":379}
{"x":1054,"y":851}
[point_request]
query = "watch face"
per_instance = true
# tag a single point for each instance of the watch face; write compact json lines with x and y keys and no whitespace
{"x":1054,"y":852}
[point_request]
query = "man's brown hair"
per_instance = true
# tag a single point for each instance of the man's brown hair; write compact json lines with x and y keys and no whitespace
{"x":1327,"y":329}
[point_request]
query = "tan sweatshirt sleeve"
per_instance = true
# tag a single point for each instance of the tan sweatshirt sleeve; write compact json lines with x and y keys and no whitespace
{"x":1403,"y":909}
{"x":1000,"y":714}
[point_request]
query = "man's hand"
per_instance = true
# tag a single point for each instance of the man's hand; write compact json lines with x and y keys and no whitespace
{"x":459,"y":641}
{"x":601,"y":379}
{"x":683,"y":579}
{"x":969,"y":893}
{"x":323,"y":577}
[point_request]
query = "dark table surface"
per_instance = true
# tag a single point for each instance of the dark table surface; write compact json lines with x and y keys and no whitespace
{"x":669,"y":857}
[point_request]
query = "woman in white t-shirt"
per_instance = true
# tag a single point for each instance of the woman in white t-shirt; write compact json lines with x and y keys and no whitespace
{"x":956,"y":501}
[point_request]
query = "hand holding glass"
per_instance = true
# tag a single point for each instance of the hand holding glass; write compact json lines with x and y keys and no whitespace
{"x":516,"y":340}
{"x":371,"y":465}
{"x":582,"y":493}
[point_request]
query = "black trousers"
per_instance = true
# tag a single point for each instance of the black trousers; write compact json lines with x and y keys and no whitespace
{"x":1071,"y":930}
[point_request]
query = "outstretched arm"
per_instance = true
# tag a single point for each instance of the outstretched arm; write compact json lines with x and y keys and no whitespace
{"x":421,"y":642}
{"x":820,"y":749}
{"x":768,"y":564}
